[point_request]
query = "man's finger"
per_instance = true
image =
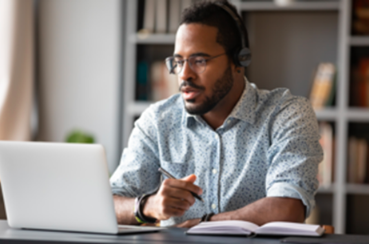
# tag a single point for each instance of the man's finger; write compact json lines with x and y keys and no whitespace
{"x":177,"y":193}
{"x":190,"y":178}
{"x":185,"y":185}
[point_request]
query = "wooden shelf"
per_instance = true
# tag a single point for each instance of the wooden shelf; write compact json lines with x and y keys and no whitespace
{"x":358,"y":114}
{"x":296,"y":6}
{"x":326,"y":189}
{"x":359,"y":41}
{"x":326,"y":114}
{"x":362,"y":189}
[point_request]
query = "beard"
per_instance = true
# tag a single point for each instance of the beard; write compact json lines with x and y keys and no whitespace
{"x":220,"y":89}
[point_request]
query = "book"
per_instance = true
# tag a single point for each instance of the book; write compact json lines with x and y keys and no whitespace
{"x":149,"y":16}
{"x":162,"y":84}
{"x":358,"y":159}
{"x":239,"y":227}
{"x":352,"y":158}
{"x":174,"y":15}
{"x":325,"y":170}
{"x":142,"y":81}
{"x":161,"y":16}
{"x":360,"y":22}
{"x":361,"y":160}
{"x":364,"y":82}
{"x":323,"y":90}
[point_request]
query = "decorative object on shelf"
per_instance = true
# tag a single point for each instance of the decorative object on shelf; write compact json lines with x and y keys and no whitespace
{"x":79,"y":136}
{"x":323,"y":88}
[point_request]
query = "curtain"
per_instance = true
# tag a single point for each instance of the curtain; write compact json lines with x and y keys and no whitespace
{"x":16,"y":68}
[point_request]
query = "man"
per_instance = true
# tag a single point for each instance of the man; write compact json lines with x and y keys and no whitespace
{"x":251,"y":154}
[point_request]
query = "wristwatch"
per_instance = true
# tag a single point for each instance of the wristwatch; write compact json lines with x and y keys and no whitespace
{"x":138,"y":210}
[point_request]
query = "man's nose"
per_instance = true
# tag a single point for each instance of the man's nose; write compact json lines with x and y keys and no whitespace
{"x":186,"y":72}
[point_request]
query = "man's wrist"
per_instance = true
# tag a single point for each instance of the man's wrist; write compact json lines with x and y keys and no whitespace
{"x":138,"y":210}
{"x":206,"y":217}
{"x":146,"y":207}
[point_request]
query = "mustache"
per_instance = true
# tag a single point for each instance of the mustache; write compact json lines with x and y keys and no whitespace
{"x":190,"y":84}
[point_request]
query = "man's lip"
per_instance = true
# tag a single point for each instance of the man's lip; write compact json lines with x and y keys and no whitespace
{"x":190,"y":93}
{"x":189,"y":89}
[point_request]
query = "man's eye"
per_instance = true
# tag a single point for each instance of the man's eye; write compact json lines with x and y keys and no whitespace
{"x":199,"y":61}
{"x":179,"y":62}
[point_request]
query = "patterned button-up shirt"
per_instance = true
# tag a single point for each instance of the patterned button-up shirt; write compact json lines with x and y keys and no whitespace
{"x":267,"y":147}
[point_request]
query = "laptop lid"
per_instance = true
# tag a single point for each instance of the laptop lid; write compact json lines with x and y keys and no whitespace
{"x":57,"y":186}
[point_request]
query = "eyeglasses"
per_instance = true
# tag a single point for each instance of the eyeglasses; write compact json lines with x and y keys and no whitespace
{"x":197,"y":63}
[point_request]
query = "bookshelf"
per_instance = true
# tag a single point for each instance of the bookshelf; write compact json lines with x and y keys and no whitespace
{"x":323,"y":31}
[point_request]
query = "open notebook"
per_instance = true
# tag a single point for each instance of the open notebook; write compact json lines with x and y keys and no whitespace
{"x":238,"y":227}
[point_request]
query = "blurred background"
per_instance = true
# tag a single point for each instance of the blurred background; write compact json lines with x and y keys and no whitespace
{"x":84,"y":70}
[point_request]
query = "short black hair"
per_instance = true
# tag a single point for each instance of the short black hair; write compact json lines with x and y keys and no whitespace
{"x":209,"y":13}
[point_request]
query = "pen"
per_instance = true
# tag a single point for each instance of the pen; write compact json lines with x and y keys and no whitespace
{"x":166,"y":173}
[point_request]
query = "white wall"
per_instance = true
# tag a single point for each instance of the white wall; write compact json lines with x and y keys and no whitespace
{"x":79,"y":70}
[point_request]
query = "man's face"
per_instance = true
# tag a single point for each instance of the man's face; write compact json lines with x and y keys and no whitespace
{"x":202,"y":92}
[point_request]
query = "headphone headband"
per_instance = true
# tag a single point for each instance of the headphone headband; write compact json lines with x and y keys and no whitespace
{"x":243,"y":56}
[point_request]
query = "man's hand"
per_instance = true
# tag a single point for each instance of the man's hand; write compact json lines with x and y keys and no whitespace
{"x":189,"y":223}
{"x":174,"y":198}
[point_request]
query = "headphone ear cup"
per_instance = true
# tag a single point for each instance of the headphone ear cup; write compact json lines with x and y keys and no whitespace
{"x":244,"y":57}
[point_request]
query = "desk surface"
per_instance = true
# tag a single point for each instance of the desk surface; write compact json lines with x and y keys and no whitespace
{"x":172,"y":235}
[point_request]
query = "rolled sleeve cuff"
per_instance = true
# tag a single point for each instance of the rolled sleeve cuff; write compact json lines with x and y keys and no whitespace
{"x":283,"y":189}
{"x":121,"y":191}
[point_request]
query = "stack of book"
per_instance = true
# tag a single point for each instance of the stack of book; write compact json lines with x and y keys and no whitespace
{"x":162,"y":16}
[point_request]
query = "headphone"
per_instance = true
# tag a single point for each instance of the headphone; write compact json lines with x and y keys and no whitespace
{"x":241,"y":57}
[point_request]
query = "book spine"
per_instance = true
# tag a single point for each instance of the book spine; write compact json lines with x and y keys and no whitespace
{"x":174,"y":15}
{"x":161,"y":16}
{"x":142,"y":81}
{"x":149,"y":16}
{"x":352,"y":160}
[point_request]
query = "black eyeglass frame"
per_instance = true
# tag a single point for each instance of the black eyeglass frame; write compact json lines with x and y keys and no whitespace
{"x":171,"y":67}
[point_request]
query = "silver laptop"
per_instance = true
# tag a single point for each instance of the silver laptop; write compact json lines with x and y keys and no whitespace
{"x":59,"y":186}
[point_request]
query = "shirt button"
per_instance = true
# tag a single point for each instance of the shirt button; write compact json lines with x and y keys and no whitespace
{"x":213,"y":206}
{"x":214,"y":171}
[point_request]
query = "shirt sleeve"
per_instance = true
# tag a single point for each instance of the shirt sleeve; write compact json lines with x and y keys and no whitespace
{"x":294,"y":153}
{"x":137,"y":172}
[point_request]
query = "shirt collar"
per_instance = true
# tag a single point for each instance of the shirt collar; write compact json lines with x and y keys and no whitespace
{"x":244,"y":109}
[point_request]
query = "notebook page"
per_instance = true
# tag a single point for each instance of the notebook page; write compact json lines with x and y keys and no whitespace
{"x":228,"y":227}
{"x":288,"y":228}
